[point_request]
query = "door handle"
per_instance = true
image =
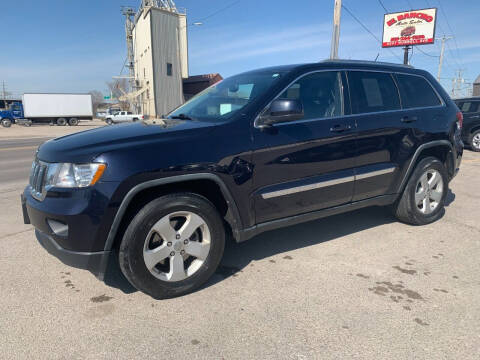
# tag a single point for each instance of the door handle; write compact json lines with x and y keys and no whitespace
{"x":408,"y":119}
{"x":340,"y":128}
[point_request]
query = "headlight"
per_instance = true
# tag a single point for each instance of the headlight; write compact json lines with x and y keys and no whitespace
{"x":73,"y":175}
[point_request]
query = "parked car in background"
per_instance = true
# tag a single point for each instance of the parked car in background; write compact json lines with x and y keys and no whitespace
{"x":101,"y":115}
{"x":122,"y":116}
{"x":470,"y":107}
{"x":258,"y":151}
{"x":60,"y":109}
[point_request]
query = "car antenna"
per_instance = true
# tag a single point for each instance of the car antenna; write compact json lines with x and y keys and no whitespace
{"x":377,"y":57}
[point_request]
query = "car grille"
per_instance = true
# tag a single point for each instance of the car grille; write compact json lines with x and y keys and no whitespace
{"x":37,"y":179}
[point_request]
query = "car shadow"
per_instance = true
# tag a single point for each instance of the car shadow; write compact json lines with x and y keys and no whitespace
{"x":239,"y":255}
{"x":450,"y":197}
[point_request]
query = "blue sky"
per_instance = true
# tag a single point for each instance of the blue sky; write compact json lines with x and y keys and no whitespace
{"x":75,"y":46}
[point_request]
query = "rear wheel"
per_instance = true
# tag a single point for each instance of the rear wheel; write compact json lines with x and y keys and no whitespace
{"x":61,"y":122}
{"x":475,"y":140}
{"x":423,"y":200}
{"x":6,"y":123}
{"x":173,"y":245}
{"x":73,"y":122}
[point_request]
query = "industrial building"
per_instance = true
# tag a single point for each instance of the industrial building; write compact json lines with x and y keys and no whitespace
{"x":160,"y":57}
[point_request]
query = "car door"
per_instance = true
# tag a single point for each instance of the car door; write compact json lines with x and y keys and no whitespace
{"x":307,"y":164}
{"x":387,"y":134}
{"x":471,"y":116}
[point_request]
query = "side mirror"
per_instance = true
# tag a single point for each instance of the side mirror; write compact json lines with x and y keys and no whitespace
{"x":281,"y":110}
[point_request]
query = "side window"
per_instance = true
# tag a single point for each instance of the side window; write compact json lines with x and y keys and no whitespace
{"x":470,"y":107}
{"x":416,"y":92}
{"x":372,"y":92}
{"x":169,"y":69}
{"x":320,"y":94}
{"x":466,"y":107}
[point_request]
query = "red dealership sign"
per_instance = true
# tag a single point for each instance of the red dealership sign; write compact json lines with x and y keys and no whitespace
{"x":414,"y":27}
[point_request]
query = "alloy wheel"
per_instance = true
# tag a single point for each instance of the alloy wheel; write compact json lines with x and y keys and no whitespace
{"x":177,"y":246}
{"x":476,"y":141}
{"x":429,"y":191}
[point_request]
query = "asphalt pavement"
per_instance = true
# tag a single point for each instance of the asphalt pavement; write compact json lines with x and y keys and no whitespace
{"x":357,"y":285}
{"x":16,"y":157}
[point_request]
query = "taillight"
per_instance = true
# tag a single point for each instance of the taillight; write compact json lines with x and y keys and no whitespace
{"x":459,"y":119}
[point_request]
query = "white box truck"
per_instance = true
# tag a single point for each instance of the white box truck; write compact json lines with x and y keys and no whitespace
{"x":60,"y":109}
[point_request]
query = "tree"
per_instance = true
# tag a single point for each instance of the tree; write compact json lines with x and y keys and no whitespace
{"x":97,"y":100}
{"x":118,"y":88}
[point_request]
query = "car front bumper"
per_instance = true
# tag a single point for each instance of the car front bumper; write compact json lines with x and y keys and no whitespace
{"x":73,"y":229}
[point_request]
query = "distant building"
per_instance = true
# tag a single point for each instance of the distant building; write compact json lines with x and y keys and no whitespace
{"x":197,"y":83}
{"x":476,"y":87}
{"x":161,"y":57}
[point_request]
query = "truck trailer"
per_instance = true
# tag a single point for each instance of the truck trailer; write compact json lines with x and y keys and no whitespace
{"x":60,"y":109}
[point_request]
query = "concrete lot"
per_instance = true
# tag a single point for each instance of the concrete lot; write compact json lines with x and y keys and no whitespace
{"x":357,"y":285}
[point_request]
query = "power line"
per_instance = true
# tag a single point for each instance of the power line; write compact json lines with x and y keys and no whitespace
{"x":425,"y":53}
{"x":383,"y":6}
{"x":368,"y":30}
{"x":219,"y":11}
{"x":449,"y":26}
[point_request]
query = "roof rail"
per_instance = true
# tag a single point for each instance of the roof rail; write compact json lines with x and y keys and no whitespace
{"x":366,"y":62}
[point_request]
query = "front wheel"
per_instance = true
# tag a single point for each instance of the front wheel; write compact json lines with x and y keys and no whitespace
{"x":423,"y":200}
{"x":6,"y":123}
{"x":109,"y":122}
{"x":475,"y":141}
{"x":173,"y":245}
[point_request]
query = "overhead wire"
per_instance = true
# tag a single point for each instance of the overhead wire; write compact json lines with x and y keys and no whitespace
{"x":368,"y":30}
{"x":383,"y":6}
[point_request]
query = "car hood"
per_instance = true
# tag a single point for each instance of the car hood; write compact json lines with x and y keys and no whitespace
{"x":85,"y":146}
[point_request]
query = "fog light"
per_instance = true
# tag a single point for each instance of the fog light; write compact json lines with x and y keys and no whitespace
{"x":58,"y":227}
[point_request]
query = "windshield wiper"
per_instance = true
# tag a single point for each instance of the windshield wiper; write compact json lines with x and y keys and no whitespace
{"x":181,"y":117}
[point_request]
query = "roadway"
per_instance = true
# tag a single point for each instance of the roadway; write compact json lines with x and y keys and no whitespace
{"x":16,"y":157}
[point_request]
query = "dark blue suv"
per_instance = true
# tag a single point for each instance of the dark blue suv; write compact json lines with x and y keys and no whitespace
{"x":258,"y":151}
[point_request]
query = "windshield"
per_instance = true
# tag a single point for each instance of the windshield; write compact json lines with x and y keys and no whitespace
{"x":222,"y":100}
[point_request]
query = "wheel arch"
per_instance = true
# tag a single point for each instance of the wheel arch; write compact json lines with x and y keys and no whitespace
{"x":205,"y":184}
{"x":474,"y":128}
{"x":440,"y":149}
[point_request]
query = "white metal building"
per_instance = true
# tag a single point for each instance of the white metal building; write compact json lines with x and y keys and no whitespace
{"x":161,"y":58}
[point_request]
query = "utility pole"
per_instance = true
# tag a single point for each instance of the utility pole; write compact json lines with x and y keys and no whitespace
{"x":336,"y":29}
{"x":4,"y":93}
{"x":457,"y":83}
{"x":405,"y":55}
{"x":440,"y":62}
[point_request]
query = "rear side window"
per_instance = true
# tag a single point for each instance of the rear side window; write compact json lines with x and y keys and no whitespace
{"x":372,"y":92}
{"x":416,"y":92}
{"x":469,"y":106}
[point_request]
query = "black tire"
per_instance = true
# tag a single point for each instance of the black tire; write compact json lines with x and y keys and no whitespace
{"x":61,"y":122}
{"x":135,"y":119}
{"x":475,"y":147}
{"x":406,"y":210}
{"x":6,"y":123}
{"x":131,"y":249}
{"x":109,"y":122}
{"x":73,"y":122}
